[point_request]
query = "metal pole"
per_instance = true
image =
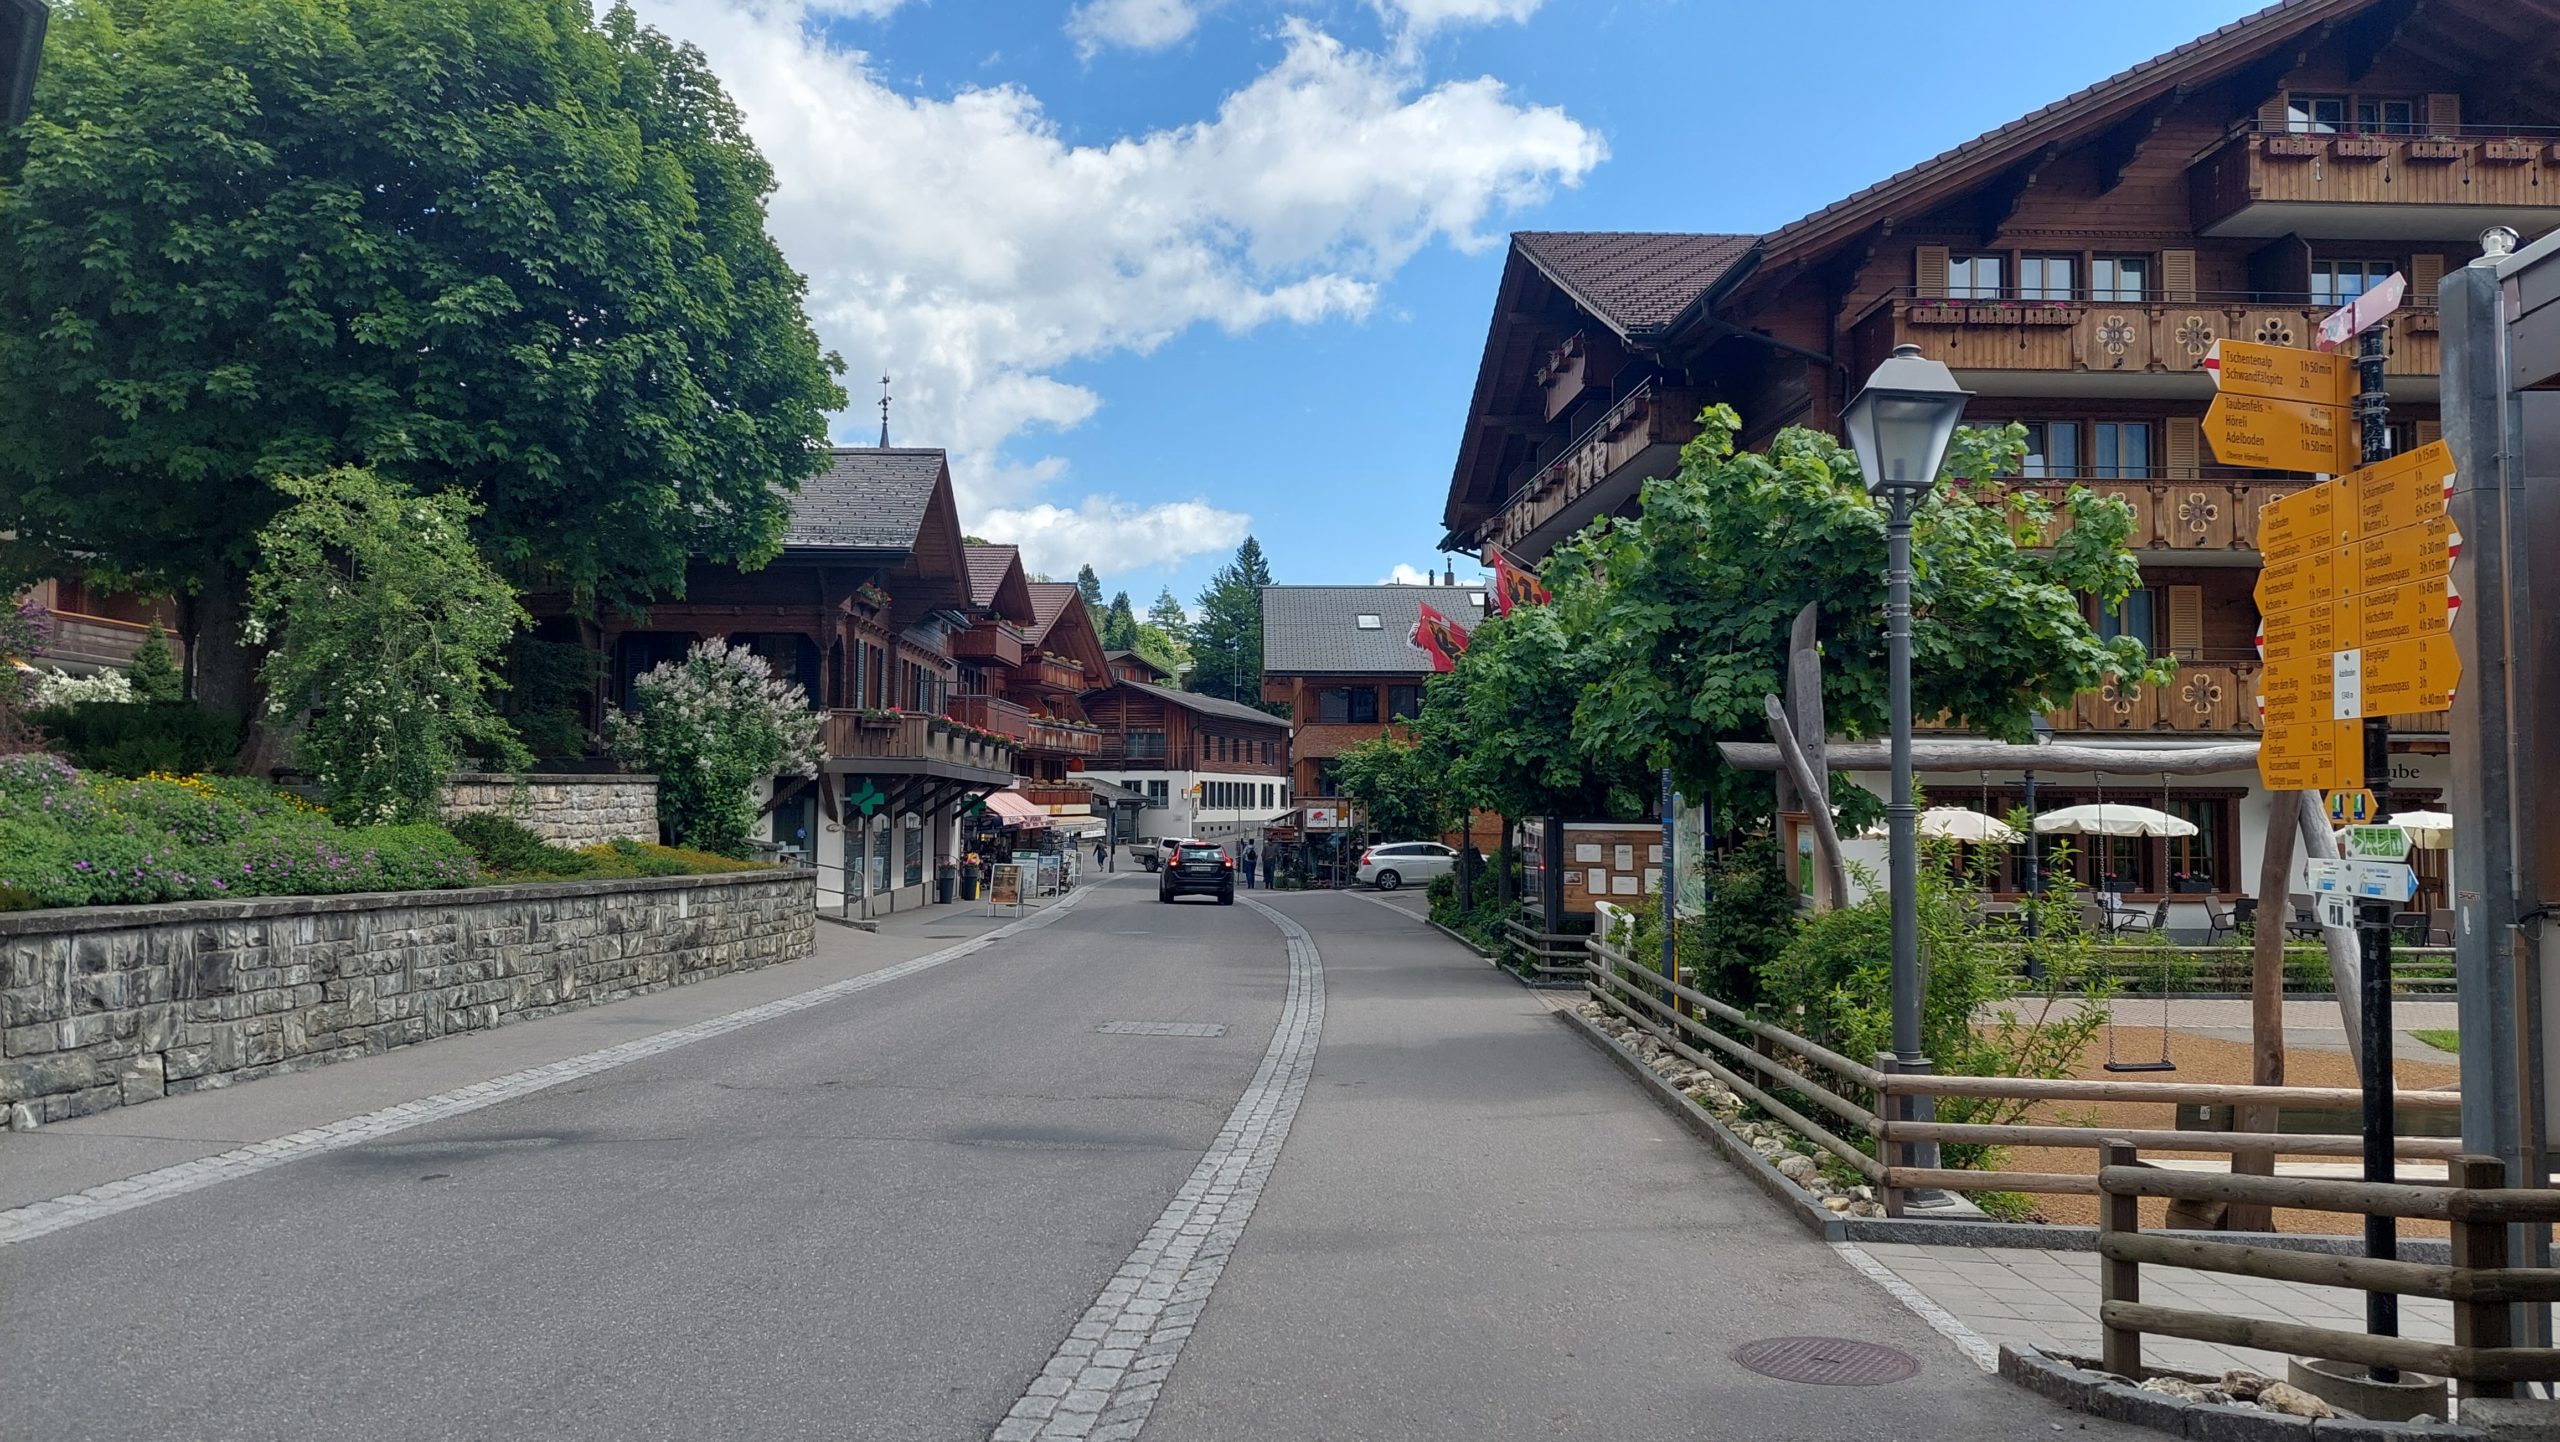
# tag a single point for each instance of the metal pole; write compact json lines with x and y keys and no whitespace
{"x":2035,"y":882}
{"x":1903,"y":828}
{"x":1670,"y":915}
{"x":2373,"y":918}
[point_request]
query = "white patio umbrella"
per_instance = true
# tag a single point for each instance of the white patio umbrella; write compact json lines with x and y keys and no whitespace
{"x":1954,"y":823}
{"x":2432,"y":830}
{"x":2109,"y":818}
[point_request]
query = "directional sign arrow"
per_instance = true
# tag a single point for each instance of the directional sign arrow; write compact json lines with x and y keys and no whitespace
{"x":2365,"y":310}
{"x":2275,"y":434}
{"x":2376,"y":843}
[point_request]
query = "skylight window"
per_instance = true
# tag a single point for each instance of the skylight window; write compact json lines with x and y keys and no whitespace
{"x":1369,"y":622}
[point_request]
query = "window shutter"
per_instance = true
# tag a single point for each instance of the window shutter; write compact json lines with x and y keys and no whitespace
{"x":1929,"y":276}
{"x":2271,"y":115}
{"x":2178,"y":275}
{"x":2426,"y":272}
{"x":2430,"y":432}
{"x":2186,"y":438}
{"x":2186,"y":619}
{"x":2444,"y":113}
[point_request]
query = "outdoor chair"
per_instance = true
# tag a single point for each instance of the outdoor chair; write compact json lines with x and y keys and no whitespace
{"x":2222,"y":920}
{"x":2304,"y":923}
{"x":2440,"y":927}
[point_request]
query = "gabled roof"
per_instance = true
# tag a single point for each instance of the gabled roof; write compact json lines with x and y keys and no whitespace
{"x":1132,"y":658}
{"x":866,"y":500}
{"x":1316,"y":630}
{"x":1212,"y":706}
{"x":1634,"y":282}
{"x":1062,"y":623}
{"x":997,"y":584}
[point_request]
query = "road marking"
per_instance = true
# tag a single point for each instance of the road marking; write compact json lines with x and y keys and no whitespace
{"x":1968,"y":1341}
{"x":1163,"y":1028}
{"x":54,"y":1214}
{"x":1104,"y":1379}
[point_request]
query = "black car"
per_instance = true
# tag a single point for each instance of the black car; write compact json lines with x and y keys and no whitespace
{"x":1198,"y":868}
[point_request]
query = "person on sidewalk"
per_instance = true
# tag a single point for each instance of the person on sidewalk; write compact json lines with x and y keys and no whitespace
{"x":1251,"y":858}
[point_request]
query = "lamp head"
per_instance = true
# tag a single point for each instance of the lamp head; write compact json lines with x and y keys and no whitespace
{"x":1901,"y":422}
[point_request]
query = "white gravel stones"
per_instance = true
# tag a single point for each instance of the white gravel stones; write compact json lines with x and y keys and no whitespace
{"x":1104,"y":1378}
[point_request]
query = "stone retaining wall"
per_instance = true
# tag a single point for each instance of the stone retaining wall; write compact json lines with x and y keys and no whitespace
{"x":110,"y":1005}
{"x":571,"y":811}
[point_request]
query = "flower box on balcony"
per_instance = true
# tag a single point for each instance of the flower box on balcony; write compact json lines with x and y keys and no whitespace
{"x":2508,"y":152}
{"x":2051,"y":312}
{"x":2436,"y":151}
{"x":2296,"y":147}
{"x":2359,"y":147}
{"x":1936,"y":313}
{"x":877,"y":720}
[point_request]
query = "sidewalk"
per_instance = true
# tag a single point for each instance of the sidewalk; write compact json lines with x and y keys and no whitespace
{"x":87,"y":1151}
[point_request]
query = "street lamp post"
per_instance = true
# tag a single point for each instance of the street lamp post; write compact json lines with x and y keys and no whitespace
{"x":1899,"y":425}
{"x":2043,"y":732}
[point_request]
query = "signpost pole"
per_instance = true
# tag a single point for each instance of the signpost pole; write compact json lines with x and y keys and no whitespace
{"x":2373,"y":917}
{"x":1670,"y":892}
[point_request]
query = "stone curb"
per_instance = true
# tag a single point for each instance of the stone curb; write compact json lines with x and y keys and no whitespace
{"x":165,"y":913}
{"x":2102,"y":1395}
{"x":1800,"y":1205}
{"x":1461,"y":939}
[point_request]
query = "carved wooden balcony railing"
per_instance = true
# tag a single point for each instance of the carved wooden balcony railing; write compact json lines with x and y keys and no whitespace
{"x":1040,"y":793}
{"x":2214,"y":511}
{"x":1651,"y":416}
{"x":991,"y":713}
{"x":2122,"y":337}
{"x":999,"y":643}
{"x":911,"y":736}
{"x":2202,"y":698}
{"x":1052,"y":673}
{"x":1059,"y":738}
{"x":2471,"y":167}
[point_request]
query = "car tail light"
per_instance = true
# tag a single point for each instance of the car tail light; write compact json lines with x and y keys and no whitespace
{"x":1229,"y":860}
{"x":1364,"y":857}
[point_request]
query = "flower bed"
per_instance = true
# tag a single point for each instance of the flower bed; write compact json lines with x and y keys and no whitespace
{"x":72,"y":838}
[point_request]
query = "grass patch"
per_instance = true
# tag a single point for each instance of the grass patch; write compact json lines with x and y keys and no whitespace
{"x":2441,"y":1038}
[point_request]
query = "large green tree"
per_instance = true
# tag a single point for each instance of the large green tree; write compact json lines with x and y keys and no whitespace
{"x":1089,"y":586}
{"x":1501,"y":725}
{"x":1403,"y":791}
{"x":494,"y":246}
{"x":1687,"y":605}
{"x":1226,"y":642}
{"x":1119,"y":624}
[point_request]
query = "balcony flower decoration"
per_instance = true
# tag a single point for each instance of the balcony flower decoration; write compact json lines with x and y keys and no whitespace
{"x":872,"y":596}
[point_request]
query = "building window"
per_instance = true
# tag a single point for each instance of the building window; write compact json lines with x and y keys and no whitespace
{"x":2053,"y":450}
{"x":1974,"y":277}
{"x":2123,"y":448}
{"x":2335,"y":282}
{"x":1269,"y":797}
{"x":2046,"y":277}
{"x":2120,"y":278}
{"x":1367,"y":622}
{"x":1157,"y":794}
{"x":2195,"y":862}
{"x":1348,"y":705}
{"x":2366,"y":114}
{"x":1266,"y":753}
{"x":2133,"y":616}
{"x":1404,"y":702}
{"x":913,"y":826}
{"x":1329,"y":777}
{"x":2315,"y":114}
{"x":1143,"y":745}
{"x":2387,"y":117}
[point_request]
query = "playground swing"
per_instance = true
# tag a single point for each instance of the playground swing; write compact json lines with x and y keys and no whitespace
{"x":2164,"y":1063}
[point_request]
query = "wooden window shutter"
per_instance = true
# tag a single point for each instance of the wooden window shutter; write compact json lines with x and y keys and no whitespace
{"x":2430,"y":432}
{"x":2426,"y":273}
{"x":1929,"y":273}
{"x":2186,"y":440}
{"x":2178,"y":275}
{"x":2271,"y":115}
{"x":2186,"y":619}
{"x":2444,"y":113}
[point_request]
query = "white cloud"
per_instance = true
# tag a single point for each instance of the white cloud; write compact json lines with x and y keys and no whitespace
{"x":1421,"y":17}
{"x":1136,"y":24}
{"x":1113,"y":534}
{"x":964,"y":245}
{"x":1404,"y":575}
{"x":854,"y":9}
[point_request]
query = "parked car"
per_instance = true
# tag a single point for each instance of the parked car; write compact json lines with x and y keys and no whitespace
{"x":1148,"y":851}
{"x":1393,"y":864}
{"x":1198,"y":868}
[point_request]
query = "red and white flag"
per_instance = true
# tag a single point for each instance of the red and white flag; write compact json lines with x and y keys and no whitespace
{"x":1442,"y":639}
{"x":1513,"y":586}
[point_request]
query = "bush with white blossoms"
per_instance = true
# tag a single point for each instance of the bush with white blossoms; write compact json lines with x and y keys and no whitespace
{"x":60,"y":688}
{"x":711,"y":726}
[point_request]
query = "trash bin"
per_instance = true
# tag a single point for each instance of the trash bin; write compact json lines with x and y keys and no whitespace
{"x":944,"y":884}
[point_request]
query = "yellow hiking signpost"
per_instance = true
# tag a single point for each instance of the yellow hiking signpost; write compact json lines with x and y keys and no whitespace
{"x":2356,"y":602}
{"x":2280,"y":409}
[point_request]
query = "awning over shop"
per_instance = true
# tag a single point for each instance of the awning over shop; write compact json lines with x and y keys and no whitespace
{"x":1080,"y":825}
{"x":1015,"y":813}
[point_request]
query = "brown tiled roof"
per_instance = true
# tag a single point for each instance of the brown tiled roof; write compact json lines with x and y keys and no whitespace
{"x":1635,"y":281}
{"x":866,"y":499}
{"x":2232,"y":41}
{"x":1049,"y":601}
{"x":987,"y":565}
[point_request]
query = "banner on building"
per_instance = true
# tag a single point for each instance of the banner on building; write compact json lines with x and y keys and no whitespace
{"x":1513,"y":586}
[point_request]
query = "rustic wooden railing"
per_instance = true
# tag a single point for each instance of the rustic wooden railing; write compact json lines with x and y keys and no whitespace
{"x":2482,"y":1360}
{"x":1792,"y":1078}
{"x":1547,"y":957}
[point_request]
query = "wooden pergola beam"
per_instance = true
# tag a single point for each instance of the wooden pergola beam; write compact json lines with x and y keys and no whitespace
{"x":1958,"y":754}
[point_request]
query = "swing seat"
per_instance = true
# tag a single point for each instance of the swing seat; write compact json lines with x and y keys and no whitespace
{"x":2163,"y":1065}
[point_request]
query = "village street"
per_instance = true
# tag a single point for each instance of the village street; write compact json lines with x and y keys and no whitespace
{"x":894,"y":1212}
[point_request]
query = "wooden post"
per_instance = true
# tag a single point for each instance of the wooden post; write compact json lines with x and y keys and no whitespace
{"x":2120,"y":1348}
{"x":2479,"y":1246}
{"x":2266,"y":1006}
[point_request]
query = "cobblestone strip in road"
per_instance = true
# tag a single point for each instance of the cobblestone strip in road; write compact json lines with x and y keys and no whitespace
{"x":1973,"y":1344}
{"x":54,"y":1214}
{"x":1104,"y":1378}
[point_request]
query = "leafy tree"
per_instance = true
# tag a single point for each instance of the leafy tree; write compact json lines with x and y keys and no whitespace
{"x":1119,"y":624}
{"x":1226,"y":644}
{"x":1686,"y":608}
{"x":387,"y":625}
{"x":1502,"y":724}
{"x":1089,"y":586}
{"x":154,"y":670}
{"x":1404,"y":792}
{"x":503,"y":247}
{"x":1167,"y":616}
{"x":711,"y":726}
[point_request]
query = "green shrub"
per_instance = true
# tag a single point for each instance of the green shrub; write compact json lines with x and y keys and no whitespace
{"x":154,"y":668}
{"x":136,"y":738}
{"x":508,"y":850}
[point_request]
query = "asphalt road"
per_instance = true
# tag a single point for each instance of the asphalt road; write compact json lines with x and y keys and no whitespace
{"x":880,"y":1217}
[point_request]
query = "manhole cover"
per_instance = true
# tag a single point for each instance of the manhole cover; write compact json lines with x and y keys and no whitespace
{"x":1163,"y":1028}
{"x":1826,"y":1361}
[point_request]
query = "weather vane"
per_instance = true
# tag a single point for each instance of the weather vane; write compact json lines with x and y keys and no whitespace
{"x":884,"y":412}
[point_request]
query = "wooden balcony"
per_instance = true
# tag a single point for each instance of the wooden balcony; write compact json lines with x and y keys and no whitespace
{"x":1062,"y":738}
{"x":100,"y":641}
{"x":995,"y":642}
{"x":908,"y":741}
{"x":1600,"y":469}
{"x":990,"y":713}
{"x":2214,"y":511}
{"x":1047,"y":794}
{"x":1054,"y":674}
{"x":1120,"y":752}
{"x":2108,"y":337}
{"x":2203,"y":698}
{"x":2435,"y":186}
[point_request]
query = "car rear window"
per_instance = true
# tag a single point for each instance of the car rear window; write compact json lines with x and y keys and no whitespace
{"x":1193,"y":853}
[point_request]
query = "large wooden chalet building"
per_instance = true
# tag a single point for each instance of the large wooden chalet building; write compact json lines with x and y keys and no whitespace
{"x":2074,"y":268}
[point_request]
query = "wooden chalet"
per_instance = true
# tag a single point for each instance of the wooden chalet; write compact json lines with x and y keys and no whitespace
{"x":1206,"y":766}
{"x":1030,"y":653}
{"x":2074,"y":267}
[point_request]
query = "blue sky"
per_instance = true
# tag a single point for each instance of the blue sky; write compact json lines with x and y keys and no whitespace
{"x":1160,"y":270}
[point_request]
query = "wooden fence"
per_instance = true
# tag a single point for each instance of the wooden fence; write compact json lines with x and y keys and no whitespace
{"x":2482,"y":1360}
{"x":1794,"y":1079}
{"x":1545,"y":957}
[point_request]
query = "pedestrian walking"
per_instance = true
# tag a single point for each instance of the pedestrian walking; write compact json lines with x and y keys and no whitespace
{"x":1251,"y":857}
{"x":1101,"y":854}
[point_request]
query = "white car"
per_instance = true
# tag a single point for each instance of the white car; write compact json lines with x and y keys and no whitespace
{"x":1394,"y":863}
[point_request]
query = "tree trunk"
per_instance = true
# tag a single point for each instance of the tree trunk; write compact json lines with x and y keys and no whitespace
{"x":222,"y":667}
{"x":1502,"y":861}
